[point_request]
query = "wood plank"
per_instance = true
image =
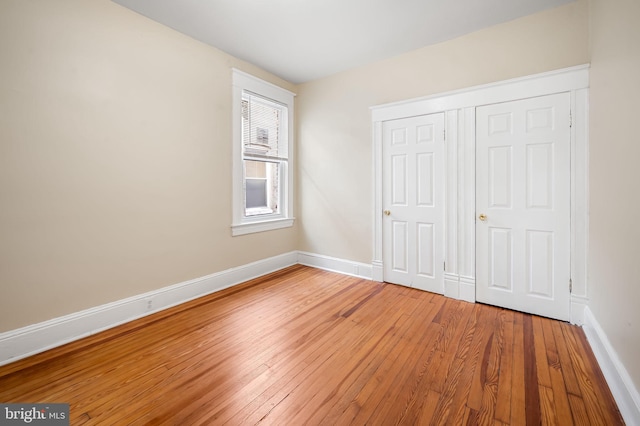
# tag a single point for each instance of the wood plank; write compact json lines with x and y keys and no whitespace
{"x":503,"y":397}
{"x":531,"y":385}
{"x":445,"y":405}
{"x":560,"y":398}
{"x":578,"y":410}
{"x":463,"y":378}
{"x":305,"y":346}
{"x":425,"y":414}
{"x":544,"y":379}
{"x":518,"y":402}
{"x":598,"y":401}
{"x":548,"y":407}
{"x":602,"y":388}
{"x":570,"y":380}
{"x":481,"y":349}
{"x":490,"y":369}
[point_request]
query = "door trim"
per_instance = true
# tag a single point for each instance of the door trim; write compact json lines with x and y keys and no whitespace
{"x":459,"y":108}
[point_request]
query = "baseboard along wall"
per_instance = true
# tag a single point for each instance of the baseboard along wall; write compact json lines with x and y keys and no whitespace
{"x":616,"y":375}
{"x":334,"y":264}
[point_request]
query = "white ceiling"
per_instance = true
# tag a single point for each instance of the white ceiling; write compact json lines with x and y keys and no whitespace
{"x":302,"y":40}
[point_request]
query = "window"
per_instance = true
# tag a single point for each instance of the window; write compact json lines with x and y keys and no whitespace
{"x":262,"y":147}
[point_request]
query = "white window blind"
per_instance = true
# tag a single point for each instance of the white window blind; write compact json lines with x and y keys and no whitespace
{"x":262,"y":128}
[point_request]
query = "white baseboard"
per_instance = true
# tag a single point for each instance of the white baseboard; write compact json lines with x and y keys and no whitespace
{"x":578,"y":305}
{"x":452,"y":285}
{"x":468,"y":289}
{"x":377,"y":271}
{"x":460,"y":287}
{"x":333,"y":264}
{"x":33,"y":339}
{"x":618,"y":379}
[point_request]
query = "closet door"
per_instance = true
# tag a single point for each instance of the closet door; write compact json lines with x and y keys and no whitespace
{"x":413,"y":200}
{"x":523,"y":205}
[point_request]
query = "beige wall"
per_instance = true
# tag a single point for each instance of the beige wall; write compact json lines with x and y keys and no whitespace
{"x":614,"y":233}
{"x":334,"y":144}
{"x":114,"y":159}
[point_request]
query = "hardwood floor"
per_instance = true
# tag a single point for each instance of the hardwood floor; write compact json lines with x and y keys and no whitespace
{"x":305,"y":346}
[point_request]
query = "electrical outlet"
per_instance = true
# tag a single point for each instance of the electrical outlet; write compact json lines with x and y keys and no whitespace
{"x":149,"y":304}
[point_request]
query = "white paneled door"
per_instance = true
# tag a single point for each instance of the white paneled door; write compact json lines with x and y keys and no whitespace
{"x":523,"y":205}
{"x":413,"y":200}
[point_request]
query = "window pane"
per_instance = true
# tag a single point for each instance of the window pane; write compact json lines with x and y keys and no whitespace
{"x":262,"y":195}
{"x":261,"y":126}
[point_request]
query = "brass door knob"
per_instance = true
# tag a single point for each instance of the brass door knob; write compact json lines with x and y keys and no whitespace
{"x":386,"y":212}
{"x":482,"y":217}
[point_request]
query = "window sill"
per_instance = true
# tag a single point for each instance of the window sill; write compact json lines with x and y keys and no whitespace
{"x":267,"y":225}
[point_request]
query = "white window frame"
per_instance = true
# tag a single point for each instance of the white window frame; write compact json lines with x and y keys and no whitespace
{"x":242,"y":224}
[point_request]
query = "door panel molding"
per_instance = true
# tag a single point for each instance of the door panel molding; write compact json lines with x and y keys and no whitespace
{"x":459,"y":108}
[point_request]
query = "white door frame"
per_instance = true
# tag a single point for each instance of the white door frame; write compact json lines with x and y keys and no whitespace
{"x":459,"y":108}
